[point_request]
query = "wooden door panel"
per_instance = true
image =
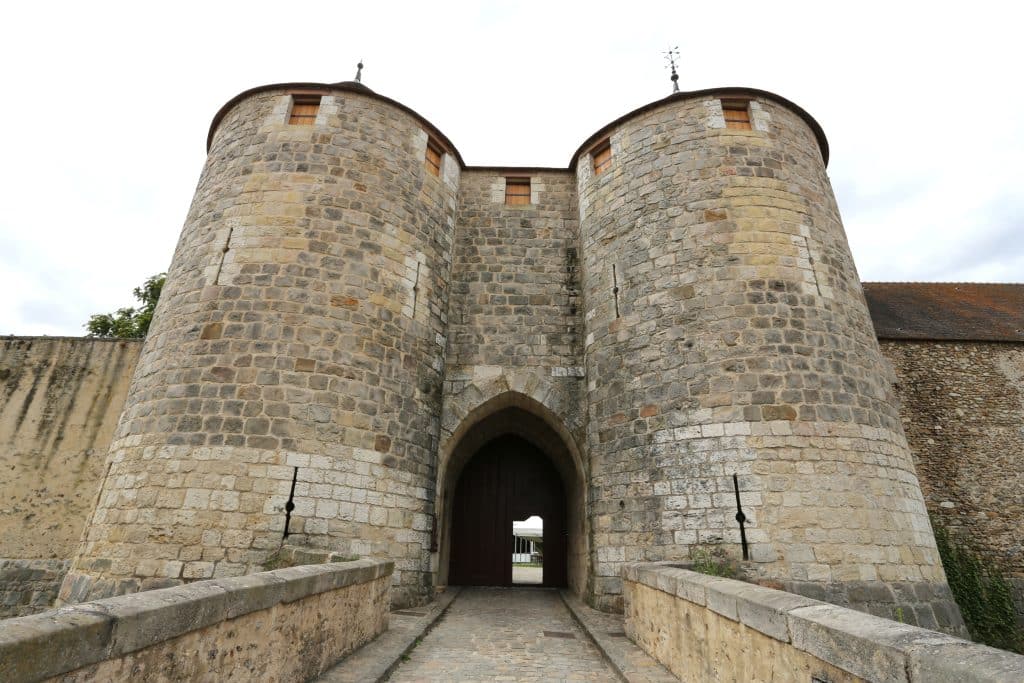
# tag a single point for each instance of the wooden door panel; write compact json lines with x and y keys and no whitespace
{"x":507,"y":479}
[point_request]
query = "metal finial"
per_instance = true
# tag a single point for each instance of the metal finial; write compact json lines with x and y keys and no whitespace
{"x":359,"y":71}
{"x":671,"y":56}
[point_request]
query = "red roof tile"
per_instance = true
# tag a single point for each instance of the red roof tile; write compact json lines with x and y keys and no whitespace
{"x":946,"y":311}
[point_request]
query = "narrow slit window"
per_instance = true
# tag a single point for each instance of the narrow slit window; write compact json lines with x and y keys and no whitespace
{"x":517,"y":190}
{"x":737,"y":114}
{"x":433,"y":158}
{"x":304,"y":110}
{"x":602,"y":157}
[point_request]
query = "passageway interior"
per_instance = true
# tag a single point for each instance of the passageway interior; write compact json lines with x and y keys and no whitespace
{"x":508,"y":479}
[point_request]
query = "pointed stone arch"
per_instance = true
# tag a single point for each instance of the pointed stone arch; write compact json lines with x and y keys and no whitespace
{"x":515,"y":413}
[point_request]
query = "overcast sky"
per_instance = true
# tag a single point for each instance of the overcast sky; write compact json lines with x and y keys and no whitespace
{"x":107,"y":106}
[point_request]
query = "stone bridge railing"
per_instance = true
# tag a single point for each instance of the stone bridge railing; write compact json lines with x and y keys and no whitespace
{"x":283,"y":625}
{"x":705,"y":628}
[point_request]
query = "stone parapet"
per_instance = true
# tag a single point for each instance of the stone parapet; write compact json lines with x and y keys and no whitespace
{"x":29,"y":586}
{"x":705,"y":628}
{"x":284,"y":625}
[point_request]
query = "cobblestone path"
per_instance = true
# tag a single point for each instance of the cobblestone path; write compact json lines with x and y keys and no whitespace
{"x":505,"y":634}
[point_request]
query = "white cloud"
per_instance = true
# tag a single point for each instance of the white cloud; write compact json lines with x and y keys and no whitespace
{"x":107,"y":107}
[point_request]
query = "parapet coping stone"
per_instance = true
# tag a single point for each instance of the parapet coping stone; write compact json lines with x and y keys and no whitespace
{"x":629,"y":660}
{"x":51,"y":643}
{"x":871,"y":647}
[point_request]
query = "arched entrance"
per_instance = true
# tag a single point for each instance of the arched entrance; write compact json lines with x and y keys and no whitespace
{"x":508,"y":479}
{"x":509,"y":459}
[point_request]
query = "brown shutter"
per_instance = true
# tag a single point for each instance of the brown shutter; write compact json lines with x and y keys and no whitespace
{"x":602,"y":158}
{"x":517,"y":190}
{"x":433,"y":158}
{"x":304,"y":109}
{"x":737,"y":115}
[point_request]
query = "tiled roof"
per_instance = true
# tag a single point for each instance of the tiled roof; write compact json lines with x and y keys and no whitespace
{"x":946,"y":311}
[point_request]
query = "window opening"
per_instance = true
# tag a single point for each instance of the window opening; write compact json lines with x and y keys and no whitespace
{"x":528,"y":551}
{"x":433,"y":158}
{"x":602,"y":157}
{"x":304,"y":110}
{"x":517,"y":190}
{"x":737,"y":114}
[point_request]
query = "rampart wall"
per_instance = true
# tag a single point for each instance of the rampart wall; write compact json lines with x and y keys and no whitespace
{"x":60,"y":399}
{"x":963,"y":413}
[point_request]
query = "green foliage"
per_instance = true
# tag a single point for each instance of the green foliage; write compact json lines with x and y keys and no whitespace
{"x":130,"y":323}
{"x":714,"y":562}
{"x":982,"y":592}
{"x":277,"y":560}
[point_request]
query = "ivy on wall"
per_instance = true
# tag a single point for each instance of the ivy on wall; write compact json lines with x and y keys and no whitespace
{"x":981,"y":590}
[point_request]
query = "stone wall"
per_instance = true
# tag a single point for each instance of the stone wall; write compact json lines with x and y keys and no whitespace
{"x":285,"y":625}
{"x":963,"y":412}
{"x":514,"y":337}
{"x":726,"y":332}
{"x":29,"y":586}
{"x":704,"y":628}
{"x":300,"y":335}
{"x":59,"y":403}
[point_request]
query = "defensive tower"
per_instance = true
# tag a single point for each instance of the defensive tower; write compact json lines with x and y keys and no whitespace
{"x":677,"y":306}
{"x":300,"y":336}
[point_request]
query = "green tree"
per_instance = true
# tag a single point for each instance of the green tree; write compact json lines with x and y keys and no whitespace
{"x":130,"y":323}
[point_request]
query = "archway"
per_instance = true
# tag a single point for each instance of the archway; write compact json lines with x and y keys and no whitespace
{"x":513,"y":421}
{"x":508,"y":479}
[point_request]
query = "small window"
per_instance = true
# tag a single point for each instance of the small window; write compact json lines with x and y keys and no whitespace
{"x":304,"y":110}
{"x":602,"y":157}
{"x":517,"y":190}
{"x":433,"y":158}
{"x":737,"y":114}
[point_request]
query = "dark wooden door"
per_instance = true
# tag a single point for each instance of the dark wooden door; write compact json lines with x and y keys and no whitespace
{"x":508,"y":479}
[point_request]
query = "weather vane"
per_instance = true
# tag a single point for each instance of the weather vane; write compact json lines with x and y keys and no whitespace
{"x":671,"y":56}
{"x":359,"y":71}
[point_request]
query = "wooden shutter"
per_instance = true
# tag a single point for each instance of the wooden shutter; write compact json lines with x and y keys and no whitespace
{"x":737,"y":115}
{"x":517,"y":190}
{"x":433,"y":158}
{"x":602,"y":157}
{"x":304,"y":110}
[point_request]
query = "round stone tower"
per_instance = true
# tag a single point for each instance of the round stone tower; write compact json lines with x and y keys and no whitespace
{"x":726,"y":333}
{"x":296,"y":355}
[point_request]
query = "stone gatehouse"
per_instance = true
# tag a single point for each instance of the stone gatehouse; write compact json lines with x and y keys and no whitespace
{"x":356,"y":324}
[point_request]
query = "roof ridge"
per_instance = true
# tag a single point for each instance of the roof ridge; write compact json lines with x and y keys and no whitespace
{"x":942,"y":282}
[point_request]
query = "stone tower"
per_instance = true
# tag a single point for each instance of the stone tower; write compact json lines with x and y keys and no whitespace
{"x":352,"y":315}
{"x":299,"y":336}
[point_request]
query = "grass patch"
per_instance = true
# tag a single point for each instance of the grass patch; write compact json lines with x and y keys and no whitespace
{"x":714,"y":562}
{"x":277,"y":560}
